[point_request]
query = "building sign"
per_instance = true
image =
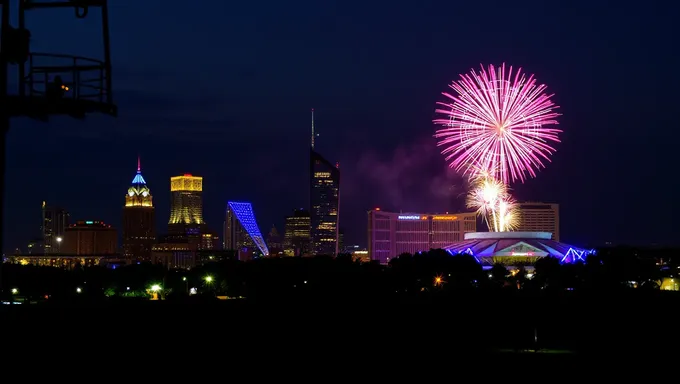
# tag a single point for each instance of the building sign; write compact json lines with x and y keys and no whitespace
{"x":409,"y":217}
{"x":522,"y":254}
{"x":444,"y":217}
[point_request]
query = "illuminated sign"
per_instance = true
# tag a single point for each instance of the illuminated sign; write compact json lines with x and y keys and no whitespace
{"x":89,"y":222}
{"x":522,"y":254}
{"x":444,"y":217}
{"x":409,"y":217}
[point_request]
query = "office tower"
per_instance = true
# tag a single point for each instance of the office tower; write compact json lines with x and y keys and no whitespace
{"x":539,"y":217}
{"x":274,"y":242}
{"x":90,"y":238}
{"x":297,"y":240}
{"x":390,"y":234}
{"x":242,"y":233}
{"x":54,"y":223}
{"x":325,"y":202}
{"x":139,"y":232}
{"x":186,"y":205}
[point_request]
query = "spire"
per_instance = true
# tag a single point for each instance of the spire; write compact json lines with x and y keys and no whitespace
{"x":312,"y":128}
{"x":139,"y":179}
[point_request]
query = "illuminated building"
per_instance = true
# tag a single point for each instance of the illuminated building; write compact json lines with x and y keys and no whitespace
{"x":60,"y":261}
{"x":186,"y":205}
{"x":174,"y":251}
{"x":90,"y":238}
{"x":242,"y":233}
{"x":515,"y":248}
{"x":139,"y":232}
{"x":361,"y":256}
{"x":539,"y":217}
{"x":325,"y":202}
{"x":54,"y":223}
{"x":390,"y":234}
{"x":297,"y":240}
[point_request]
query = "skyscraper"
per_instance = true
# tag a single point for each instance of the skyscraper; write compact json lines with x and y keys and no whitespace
{"x":325,"y":202}
{"x":297,"y":240}
{"x":139,"y":233}
{"x":186,"y":205}
{"x":539,"y":217}
{"x":54,"y":223}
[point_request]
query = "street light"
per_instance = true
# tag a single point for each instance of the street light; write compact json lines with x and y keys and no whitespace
{"x":208,"y":279}
{"x":155,"y":288}
{"x":15,"y":291}
{"x":78,"y":290}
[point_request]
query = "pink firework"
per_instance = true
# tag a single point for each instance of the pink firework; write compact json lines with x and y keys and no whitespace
{"x":498,"y":121}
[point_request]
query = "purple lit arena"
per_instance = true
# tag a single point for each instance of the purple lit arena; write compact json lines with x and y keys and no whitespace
{"x":515,"y":248}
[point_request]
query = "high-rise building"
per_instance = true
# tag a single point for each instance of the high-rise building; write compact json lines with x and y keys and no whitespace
{"x":241,"y":232}
{"x":274,"y":242}
{"x":90,"y":238}
{"x":390,"y":234}
{"x":54,"y":223}
{"x":186,"y":205}
{"x":139,"y":232}
{"x":297,"y":240}
{"x":539,"y":217}
{"x":325,"y":202}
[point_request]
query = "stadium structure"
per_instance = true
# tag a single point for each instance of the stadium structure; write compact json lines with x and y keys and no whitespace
{"x":515,"y":248}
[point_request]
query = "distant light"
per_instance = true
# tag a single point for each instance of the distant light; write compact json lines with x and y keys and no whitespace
{"x":209,"y":279}
{"x":89,"y":222}
{"x":377,"y":209}
{"x":187,"y":175}
{"x":155,"y":288}
{"x":15,"y":291}
{"x":184,"y":278}
{"x":78,"y":290}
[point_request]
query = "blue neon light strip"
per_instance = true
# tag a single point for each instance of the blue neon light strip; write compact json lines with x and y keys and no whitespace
{"x":246,"y":216}
{"x":139,"y":179}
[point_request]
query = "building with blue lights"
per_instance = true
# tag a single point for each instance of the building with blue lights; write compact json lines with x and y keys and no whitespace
{"x":139,"y":226}
{"x":241,"y":232}
{"x":515,"y":248}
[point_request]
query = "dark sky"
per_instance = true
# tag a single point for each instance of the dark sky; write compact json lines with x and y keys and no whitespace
{"x":223,"y":90}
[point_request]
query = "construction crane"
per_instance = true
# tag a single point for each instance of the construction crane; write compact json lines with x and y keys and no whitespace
{"x":49,"y":84}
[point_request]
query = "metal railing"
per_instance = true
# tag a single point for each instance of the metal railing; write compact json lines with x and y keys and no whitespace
{"x":84,"y":77}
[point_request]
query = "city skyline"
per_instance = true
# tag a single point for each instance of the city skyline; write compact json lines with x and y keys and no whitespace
{"x":374,"y":113}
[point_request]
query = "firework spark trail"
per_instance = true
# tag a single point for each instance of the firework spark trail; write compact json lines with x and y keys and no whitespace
{"x":492,"y":200}
{"x":499,"y":122}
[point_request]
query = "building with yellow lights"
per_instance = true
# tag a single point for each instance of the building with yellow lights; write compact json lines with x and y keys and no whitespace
{"x":539,"y":217}
{"x":186,"y":205}
{"x":325,"y":205}
{"x":297,"y":240}
{"x":390,"y":234}
{"x":139,"y":233}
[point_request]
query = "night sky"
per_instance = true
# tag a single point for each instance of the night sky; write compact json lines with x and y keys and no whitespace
{"x":225,"y":92}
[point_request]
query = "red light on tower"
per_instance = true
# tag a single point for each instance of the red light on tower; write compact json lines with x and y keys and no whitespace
{"x":187,"y":175}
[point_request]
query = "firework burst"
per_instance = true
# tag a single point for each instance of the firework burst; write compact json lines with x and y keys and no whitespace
{"x":497,"y":120}
{"x":492,"y":200}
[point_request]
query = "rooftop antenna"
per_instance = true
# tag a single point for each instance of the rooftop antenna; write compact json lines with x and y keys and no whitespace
{"x":139,"y":164}
{"x":312,"y":128}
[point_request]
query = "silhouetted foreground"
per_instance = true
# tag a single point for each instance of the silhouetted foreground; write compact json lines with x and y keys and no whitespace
{"x":474,"y":323}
